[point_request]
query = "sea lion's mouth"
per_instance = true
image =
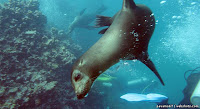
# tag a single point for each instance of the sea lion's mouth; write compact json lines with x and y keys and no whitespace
{"x":81,"y":96}
{"x":81,"y":92}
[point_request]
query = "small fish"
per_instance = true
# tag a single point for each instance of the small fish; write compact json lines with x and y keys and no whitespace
{"x":107,"y":84}
{"x":105,"y":77}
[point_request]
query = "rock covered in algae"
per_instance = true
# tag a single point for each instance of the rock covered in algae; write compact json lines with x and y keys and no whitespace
{"x":32,"y":58}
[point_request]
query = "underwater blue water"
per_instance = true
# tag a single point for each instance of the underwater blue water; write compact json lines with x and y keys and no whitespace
{"x":174,"y":46}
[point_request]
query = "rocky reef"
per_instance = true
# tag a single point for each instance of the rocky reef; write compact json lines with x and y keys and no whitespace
{"x":34,"y":61}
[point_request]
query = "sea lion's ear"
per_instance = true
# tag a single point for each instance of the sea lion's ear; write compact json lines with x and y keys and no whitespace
{"x":103,"y":21}
{"x":103,"y":31}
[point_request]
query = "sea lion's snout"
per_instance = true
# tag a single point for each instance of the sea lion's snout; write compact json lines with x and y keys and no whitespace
{"x":81,"y":83}
{"x":80,"y":96}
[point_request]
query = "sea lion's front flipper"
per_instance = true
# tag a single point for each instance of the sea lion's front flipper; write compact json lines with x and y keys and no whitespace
{"x":103,"y":21}
{"x":146,"y":60}
{"x":103,"y":31}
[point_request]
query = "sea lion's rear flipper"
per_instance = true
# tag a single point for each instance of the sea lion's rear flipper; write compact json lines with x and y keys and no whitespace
{"x":103,"y":31}
{"x":103,"y":21}
{"x":81,"y":13}
{"x":146,"y":60}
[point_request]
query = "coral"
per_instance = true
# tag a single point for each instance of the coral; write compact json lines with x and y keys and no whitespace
{"x":32,"y":58}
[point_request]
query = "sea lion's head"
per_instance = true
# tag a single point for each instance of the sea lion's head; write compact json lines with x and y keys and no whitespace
{"x":81,"y":83}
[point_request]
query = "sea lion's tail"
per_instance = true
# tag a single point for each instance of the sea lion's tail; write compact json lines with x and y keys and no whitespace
{"x":147,"y":61}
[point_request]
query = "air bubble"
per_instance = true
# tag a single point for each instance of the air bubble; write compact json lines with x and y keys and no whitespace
{"x":136,"y":35}
{"x":132,"y":32}
{"x":193,"y":3}
{"x":152,"y":15}
{"x":125,"y":63}
{"x":162,"y":2}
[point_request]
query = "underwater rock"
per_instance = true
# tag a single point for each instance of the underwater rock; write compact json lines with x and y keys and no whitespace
{"x":2,"y":91}
{"x":30,"y":32}
{"x":50,"y":85}
{"x":13,"y":90}
{"x":32,"y":58}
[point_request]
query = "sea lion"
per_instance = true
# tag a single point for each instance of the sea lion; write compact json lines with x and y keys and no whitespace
{"x":126,"y":38}
{"x":83,"y":20}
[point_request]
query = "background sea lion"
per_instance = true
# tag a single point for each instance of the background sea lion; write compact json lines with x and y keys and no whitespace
{"x":83,"y":20}
{"x":127,"y":38}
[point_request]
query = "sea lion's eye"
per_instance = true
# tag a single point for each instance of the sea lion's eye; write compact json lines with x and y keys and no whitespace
{"x":77,"y":77}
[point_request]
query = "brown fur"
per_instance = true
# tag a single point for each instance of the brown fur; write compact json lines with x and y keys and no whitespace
{"x":128,"y":36}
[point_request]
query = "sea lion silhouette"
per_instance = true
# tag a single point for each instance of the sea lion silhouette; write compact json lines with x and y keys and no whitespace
{"x":127,"y":38}
{"x":83,"y":20}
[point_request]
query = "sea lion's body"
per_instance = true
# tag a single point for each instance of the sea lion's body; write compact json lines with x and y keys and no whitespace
{"x":81,"y":21}
{"x":84,"y":20}
{"x":126,"y":38}
{"x":117,"y":43}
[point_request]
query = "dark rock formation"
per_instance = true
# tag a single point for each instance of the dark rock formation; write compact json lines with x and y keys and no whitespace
{"x":33,"y":61}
